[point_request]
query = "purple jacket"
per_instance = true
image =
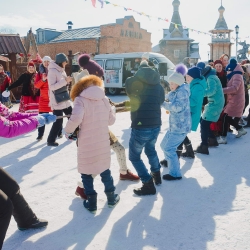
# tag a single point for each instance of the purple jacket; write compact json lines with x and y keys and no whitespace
{"x":14,"y":123}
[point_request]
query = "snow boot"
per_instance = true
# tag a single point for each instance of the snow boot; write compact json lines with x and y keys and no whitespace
{"x":164,"y":163}
{"x":212,"y":142}
{"x":169,"y":177}
{"x":113,"y":198}
{"x":90,"y":203}
{"x":146,"y":189}
{"x":202,"y":149}
{"x":37,"y":223}
{"x":222,"y":140}
{"x":189,"y":151}
{"x":156,"y":177}
{"x":241,"y":132}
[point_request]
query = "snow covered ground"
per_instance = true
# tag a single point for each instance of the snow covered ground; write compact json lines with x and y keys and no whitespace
{"x":207,"y":209}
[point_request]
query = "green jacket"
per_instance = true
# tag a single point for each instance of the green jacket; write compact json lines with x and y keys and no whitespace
{"x":215,"y":98}
{"x":197,"y":91}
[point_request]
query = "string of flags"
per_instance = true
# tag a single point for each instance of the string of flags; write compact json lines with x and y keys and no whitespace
{"x":94,"y":3}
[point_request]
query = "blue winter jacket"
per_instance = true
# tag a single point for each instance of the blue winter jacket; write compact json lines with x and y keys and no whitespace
{"x":197,"y":91}
{"x":179,"y":108}
{"x":146,"y":96}
{"x":215,"y":97}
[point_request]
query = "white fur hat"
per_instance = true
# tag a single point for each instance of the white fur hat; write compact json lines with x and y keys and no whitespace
{"x":77,"y":76}
{"x":46,"y":58}
{"x":176,"y":78}
{"x":145,"y":55}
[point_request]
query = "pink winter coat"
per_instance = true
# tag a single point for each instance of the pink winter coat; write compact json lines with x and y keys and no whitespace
{"x":14,"y":123}
{"x":235,"y":94}
{"x":93,"y":113}
{"x":56,"y":80}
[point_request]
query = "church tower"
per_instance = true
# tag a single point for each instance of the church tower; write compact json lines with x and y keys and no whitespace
{"x":221,"y":43}
{"x":176,"y":44}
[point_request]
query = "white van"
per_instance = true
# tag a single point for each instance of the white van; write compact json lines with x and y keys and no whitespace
{"x":118,"y":67}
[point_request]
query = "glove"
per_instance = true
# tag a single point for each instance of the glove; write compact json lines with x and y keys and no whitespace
{"x":41,"y":120}
{"x":70,"y":137}
{"x":45,"y":119}
{"x":49,"y":118}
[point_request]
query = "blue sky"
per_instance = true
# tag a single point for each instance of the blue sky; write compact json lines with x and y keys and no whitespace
{"x":196,"y":14}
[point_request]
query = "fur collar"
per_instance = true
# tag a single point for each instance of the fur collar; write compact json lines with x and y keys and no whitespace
{"x":84,"y":83}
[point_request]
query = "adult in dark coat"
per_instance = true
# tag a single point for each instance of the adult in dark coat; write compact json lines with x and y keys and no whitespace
{"x":146,"y":96}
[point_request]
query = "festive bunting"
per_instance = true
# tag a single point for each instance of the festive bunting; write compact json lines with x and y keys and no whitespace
{"x":93,"y":2}
{"x":160,"y":19}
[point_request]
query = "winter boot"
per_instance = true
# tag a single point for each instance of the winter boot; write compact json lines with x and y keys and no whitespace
{"x":212,"y":142}
{"x":90,"y":203}
{"x":189,"y":151}
{"x":169,"y":177}
{"x":222,"y":140}
{"x":146,"y":189}
{"x":241,"y":132}
{"x":36,"y":223}
{"x":129,"y":176}
{"x":156,"y":177}
{"x":202,"y":149}
{"x":113,"y":198}
{"x":164,"y":163}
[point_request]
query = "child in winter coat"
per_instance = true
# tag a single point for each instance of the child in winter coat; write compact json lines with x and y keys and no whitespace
{"x":93,"y":114}
{"x":177,"y":104}
{"x":212,"y":109}
{"x":197,"y":84}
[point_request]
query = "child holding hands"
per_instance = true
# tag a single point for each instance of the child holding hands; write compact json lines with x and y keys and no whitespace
{"x":177,"y":103}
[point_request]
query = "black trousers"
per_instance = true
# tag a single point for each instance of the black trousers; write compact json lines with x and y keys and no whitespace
{"x":12,"y":202}
{"x":42,"y":129}
{"x":228,"y":120}
{"x":57,"y":125}
{"x":206,"y":132}
{"x":6,"y":209}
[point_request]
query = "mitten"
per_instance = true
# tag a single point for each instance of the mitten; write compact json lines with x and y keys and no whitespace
{"x":49,"y":118}
{"x":70,"y":137}
{"x":41,"y":120}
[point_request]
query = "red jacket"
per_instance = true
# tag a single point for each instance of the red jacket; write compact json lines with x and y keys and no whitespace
{"x":5,"y":81}
{"x":44,"y":93}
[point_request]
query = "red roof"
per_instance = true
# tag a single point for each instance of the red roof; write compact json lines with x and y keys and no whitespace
{"x":11,"y":44}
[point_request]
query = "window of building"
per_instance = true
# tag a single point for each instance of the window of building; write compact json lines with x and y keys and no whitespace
{"x":176,"y":53}
{"x":130,"y":25}
{"x":113,"y":64}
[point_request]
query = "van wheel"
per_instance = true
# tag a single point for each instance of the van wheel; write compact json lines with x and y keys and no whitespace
{"x":114,"y":91}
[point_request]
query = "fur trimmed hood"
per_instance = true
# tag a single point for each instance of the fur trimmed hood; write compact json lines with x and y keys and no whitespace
{"x":84,"y":83}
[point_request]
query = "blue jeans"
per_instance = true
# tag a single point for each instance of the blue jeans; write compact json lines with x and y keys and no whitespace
{"x":144,"y":138}
{"x":107,"y":180}
{"x":169,"y":145}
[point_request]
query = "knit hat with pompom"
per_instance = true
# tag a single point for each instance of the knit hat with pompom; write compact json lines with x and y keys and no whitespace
{"x":93,"y":68}
{"x":178,"y":75}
